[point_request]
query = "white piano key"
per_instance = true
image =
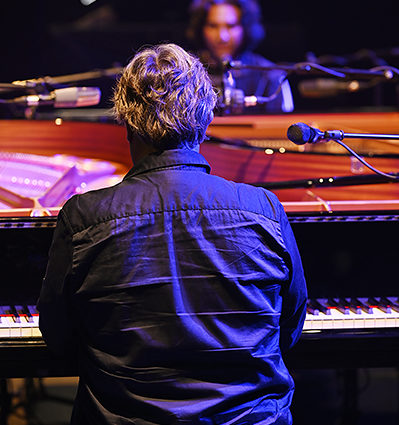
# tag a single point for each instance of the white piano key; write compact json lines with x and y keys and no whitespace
{"x":376,"y":318}
{"x":13,"y":326}
{"x":4,"y":328}
{"x":23,"y":324}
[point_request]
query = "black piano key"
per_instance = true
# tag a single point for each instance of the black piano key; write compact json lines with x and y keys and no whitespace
{"x":23,"y":311}
{"x":380,"y":305}
{"x":391,"y":303}
{"x":318,"y":307}
{"x":358,"y":306}
{"x":354,"y":306}
{"x":310,"y":309}
{"x":33,"y":310}
{"x":339,"y":304}
{"x":10,"y":310}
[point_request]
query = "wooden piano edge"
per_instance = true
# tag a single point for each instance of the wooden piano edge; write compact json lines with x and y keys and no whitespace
{"x":318,"y":206}
{"x":341,"y":206}
{"x":346,"y":350}
{"x":30,"y":357}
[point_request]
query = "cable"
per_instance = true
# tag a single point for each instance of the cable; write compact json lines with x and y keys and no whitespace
{"x":381,"y":173}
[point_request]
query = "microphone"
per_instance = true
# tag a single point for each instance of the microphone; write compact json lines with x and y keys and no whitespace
{"x":301,"y":133}
{"x":233,"y":99}
{"x":254,"y":100}
{"x":68,"y":97}
{"x":326,"y":87}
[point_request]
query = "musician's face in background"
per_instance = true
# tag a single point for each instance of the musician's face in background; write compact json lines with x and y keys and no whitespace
{"x":223,"y":32}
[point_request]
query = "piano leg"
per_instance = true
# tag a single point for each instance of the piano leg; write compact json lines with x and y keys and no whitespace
{"x":5,"y":402}
{"x":350,"y":412}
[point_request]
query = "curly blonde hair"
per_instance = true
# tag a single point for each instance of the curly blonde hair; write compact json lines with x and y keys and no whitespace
{"x":165,"y":96}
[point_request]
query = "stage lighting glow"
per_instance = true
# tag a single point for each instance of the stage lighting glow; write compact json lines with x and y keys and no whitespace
{"x":87,"y":2}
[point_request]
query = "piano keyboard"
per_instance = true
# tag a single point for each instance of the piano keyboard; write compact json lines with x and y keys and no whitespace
{"x":352,"y":313}
{"x":19,"y":322}
{"x":322,"y":314}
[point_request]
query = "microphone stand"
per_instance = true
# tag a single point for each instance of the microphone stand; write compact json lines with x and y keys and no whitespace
{"x":44,"y":85}
{"x":362,"y":136}
{"x":375,"y":75}
{"x":309,"y":68}
{"x":70,"y":78}
{"x":338,"y":135}
{"x":377,"y":178}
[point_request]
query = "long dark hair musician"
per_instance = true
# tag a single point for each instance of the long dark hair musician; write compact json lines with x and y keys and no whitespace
{"x":251,"y":21}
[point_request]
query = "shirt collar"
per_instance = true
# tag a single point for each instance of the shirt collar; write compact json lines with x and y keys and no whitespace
{"x":169,"y":158}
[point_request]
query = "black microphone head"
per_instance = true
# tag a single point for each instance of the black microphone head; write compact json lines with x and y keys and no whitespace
{"x":300,"y":133}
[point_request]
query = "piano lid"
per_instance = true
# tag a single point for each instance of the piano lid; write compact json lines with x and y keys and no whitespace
{"x":255,"y":149}
{"x":43,"y":163}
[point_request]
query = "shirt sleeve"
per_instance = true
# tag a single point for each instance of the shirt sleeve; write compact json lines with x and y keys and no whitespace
{"x":294,"y":294}
{"x":55,"y":317}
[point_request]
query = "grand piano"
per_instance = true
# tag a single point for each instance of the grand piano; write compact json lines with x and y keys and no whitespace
{"x":347,"y":233}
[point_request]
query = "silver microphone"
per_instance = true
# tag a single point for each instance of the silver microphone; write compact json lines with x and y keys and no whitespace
{"x":326,"y":87}
{"x":68,"y":97}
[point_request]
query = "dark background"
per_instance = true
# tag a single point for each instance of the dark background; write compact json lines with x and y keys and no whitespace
{"x":59,"y":37}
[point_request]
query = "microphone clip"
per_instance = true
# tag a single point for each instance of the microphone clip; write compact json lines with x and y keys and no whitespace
{"x":333,"y":135}
{"x":232,"y":98}
{"x":317,"y":136}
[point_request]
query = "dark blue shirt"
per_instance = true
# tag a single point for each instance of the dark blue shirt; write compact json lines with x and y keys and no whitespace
{"x":177,"y":291}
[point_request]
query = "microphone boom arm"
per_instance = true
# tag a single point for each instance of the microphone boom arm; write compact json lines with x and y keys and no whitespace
{"x":366,"y":136}
{"x":309,"y":68}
